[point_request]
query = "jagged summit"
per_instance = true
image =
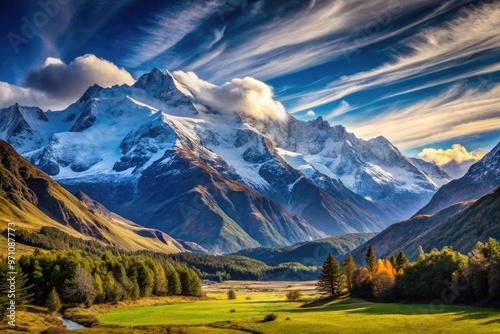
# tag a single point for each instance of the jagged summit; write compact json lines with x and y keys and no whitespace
{"x":164,"y":87}
{"x":22,"y":126}
{"x":91,"y":92}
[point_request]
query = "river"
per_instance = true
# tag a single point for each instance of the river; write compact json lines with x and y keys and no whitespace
{"x":70,"y":324}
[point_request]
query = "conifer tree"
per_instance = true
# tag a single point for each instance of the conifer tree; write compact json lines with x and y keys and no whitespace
{"x":330,"y":281}
{"x":99,"y":297}
{"x":393,"y":261}
{"x":190,"y":281}
{"x":53,"y":302}
{"x":174,"y":283}
{"x":194,"y":284}
{"x":136,"y":291}
{"x":349,"y":267}
{"x":23,"y":295}
{"x":371,"y":259}
{"x":402,"y":261}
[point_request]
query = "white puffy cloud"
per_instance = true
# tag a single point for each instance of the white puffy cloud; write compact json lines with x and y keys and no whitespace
{"x":455,"y":160}
{"x":311,"y":113}
{"x":243,"y":96}
{"x":56,"y":85}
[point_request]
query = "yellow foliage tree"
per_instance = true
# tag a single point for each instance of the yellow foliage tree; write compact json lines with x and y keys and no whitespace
{"x":385,"y":266}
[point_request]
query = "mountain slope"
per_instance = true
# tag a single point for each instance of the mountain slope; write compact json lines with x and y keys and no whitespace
{"x":480,"y":179}
{"x":29,"y":198}
{"x":21,"y":127}
{"x":309,"y":253}
{"x":432,"y":171}
{"x":479,"y":222}
{"x":459,"y":226}
{"x":203,"y":206}
{"x":397,"y":236}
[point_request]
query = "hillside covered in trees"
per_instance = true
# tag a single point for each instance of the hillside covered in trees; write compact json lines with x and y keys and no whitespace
{"x":444,"y":277}
{"x":77,"y":277}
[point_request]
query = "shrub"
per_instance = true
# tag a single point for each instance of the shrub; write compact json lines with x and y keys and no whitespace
{"x":231,"y":294}
{"x":270,"y":317}
{"x":293,"y":294}
{"x":53,"y":302}
{"x":382,"y":286}
{"x":55,"y":330}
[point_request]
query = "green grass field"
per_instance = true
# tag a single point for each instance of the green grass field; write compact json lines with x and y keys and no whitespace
{"x":344,"y":316}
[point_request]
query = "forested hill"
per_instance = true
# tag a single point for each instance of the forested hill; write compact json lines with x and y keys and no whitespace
{"x":309,"y":253}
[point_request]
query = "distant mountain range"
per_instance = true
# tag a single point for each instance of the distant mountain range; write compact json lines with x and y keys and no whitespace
{"x":155,"y":154}
{"x":460,"y":214}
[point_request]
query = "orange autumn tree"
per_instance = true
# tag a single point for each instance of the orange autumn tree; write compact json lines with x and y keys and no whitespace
{"x":383,"y":279}
{"x":385,"y":266}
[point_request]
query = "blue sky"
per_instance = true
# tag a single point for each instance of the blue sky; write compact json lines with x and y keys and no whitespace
{"x":424,"y":74}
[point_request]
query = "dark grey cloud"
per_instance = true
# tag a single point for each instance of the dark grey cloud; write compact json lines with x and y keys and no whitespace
{"x":69,"y":81}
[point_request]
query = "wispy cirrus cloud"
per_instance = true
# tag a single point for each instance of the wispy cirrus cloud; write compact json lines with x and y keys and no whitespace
{"x":342,"y":108}
{"x":471,"y":36}
{"x":308,"y":37}
{"x":169,"y":28}
{"x":218,"y":35}
{"x":454,"y":113}
{"x":77,"y":22}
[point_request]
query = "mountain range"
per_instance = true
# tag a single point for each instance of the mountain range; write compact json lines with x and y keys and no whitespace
{"x":460,"y":214}
{"x":158,"y":155}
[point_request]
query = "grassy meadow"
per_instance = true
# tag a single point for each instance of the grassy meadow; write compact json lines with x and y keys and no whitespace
{"x":346,"y":315}
{"x":212,"y":314}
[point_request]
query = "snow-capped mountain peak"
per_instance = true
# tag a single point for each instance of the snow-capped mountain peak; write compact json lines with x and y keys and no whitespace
{"x":164,"y":87}
{"x":22,"y":126}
